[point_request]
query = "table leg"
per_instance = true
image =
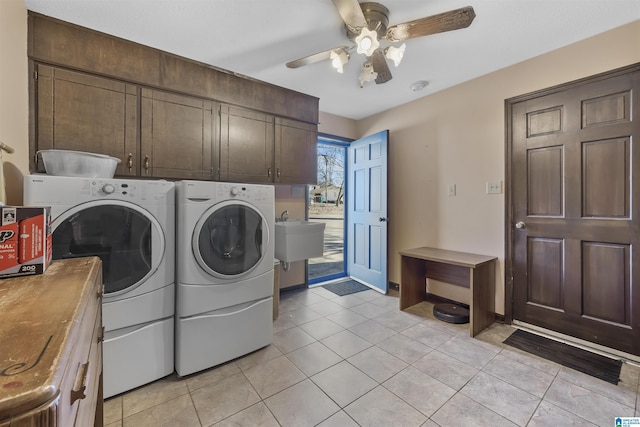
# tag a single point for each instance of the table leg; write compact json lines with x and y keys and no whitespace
{"x":412,"y":282}
{"x":482,"y":307}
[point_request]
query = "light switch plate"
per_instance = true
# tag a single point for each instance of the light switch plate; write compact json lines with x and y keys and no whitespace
{"x":451,"y":190}
{"x":494,"y":187}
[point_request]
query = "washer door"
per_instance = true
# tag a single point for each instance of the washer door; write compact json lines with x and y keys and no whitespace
{"x":230,"y":239}
{"x":127,"y":239}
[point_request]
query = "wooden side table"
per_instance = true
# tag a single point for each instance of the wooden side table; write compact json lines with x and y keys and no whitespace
{"x":473,"y":271}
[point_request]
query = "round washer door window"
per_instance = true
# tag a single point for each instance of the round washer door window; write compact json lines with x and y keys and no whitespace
{"x":124,"y":238}
{"x":229,"y":240}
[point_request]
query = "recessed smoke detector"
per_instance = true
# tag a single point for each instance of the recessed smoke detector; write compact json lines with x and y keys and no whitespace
{"x":419,"y":85}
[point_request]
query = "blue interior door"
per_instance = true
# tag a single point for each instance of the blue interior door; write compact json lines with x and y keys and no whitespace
{"x":367,"y":210}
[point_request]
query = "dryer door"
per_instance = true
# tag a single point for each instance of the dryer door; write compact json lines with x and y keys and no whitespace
{"x":127,"y":239}
{"x":230,"y":239}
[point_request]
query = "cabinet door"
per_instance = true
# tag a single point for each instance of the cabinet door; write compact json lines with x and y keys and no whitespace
{"x":77,"y":111}
{"x":296,"y":152}
{"x":176,"y":136}
{"x":246,"y":145}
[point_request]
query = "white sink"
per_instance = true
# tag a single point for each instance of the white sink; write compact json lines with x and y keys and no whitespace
{"x":297,"y":240}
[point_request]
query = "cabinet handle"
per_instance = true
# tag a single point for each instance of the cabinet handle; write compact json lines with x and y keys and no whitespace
{"x":278,"y":172}
{"x":79,"y":393}
{"x":269,"y":172}
{"x":130,"y":162}
{"x":146,"y":164}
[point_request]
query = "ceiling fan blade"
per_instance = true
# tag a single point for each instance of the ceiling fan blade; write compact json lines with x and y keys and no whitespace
{"x":311,"y":59}
{"x":447,"y":21}
{"x":381,"y":67}
{"x":351,"y":13}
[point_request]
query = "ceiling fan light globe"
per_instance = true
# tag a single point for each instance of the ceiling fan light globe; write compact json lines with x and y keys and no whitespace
{"x":395,"y":54}
{"x":367,"y":74}
{"x":338,"y":59}
{"x":367,"y":41}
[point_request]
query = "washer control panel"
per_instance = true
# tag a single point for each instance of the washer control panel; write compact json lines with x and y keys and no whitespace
{"x":120,"y":189}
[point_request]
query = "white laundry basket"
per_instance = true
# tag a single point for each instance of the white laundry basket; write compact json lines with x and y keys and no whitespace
{"x":78,"y":163}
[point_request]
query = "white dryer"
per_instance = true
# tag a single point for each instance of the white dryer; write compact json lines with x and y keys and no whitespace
{"x":225,"y":246}
{"x":130,"y":225}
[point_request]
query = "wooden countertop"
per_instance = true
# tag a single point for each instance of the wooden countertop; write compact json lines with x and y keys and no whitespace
{"x":462,"y":259}
{"x":37,"y":330}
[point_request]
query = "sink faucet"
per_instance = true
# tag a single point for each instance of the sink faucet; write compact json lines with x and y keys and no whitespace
{"x":284,"y":216}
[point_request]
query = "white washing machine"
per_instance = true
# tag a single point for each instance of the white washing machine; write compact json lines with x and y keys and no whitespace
{"x":225,"y":245}
{"x":130,"y":225}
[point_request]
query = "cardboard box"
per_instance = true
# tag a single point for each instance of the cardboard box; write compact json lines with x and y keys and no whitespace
{"x":25,"y":240}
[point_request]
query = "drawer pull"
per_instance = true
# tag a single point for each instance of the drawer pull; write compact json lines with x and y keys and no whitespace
{"x":79,"y":392}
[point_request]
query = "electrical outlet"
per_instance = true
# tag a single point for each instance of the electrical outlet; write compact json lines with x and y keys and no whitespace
{"x":451,"y":190}
{"x":494,"y":187}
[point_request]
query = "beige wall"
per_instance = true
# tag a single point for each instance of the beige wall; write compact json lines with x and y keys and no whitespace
{"x":14,"y":102}
{"x":457,"y":137}
{"x":338,"y":126}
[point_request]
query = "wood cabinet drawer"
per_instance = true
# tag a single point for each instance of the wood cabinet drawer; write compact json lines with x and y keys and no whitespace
{"x":79,"y":369}
{"x":87,"y":404}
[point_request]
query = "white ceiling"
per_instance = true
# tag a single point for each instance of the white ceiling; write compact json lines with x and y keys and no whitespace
{"x":257,"y":37}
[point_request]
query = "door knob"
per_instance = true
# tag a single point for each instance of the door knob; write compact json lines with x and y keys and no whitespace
{"x":520,"y":225}
{"x":383,"y":219}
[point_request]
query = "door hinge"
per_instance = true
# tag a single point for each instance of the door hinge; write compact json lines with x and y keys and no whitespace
{"x":35,"y":75}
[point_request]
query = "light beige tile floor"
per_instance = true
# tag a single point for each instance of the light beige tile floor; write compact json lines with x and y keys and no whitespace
{"x":358,"y":360}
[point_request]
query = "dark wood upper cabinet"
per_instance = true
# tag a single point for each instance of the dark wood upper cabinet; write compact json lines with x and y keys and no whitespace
{"x":78,"y":111}
{"x":64,"y":44}
{"x":163,"y":115}
{"x":257,"y":147}
{"x":176,"y":136}
{"x":295,"y":152}
{"x":246,"y":145}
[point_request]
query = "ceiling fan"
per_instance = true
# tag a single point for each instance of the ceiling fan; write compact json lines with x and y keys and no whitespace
{"x":366,"y":25}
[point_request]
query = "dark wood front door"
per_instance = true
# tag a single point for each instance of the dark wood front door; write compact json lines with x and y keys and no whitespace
{"x":575,"y":209}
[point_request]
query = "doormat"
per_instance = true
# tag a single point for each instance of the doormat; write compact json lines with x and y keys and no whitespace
{"x":593,"y":364}
{"x":345,"y":288}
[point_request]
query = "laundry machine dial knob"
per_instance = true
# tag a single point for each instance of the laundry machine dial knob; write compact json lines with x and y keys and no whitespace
{"x":235,"y":191}
{"x":108,"y":188}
